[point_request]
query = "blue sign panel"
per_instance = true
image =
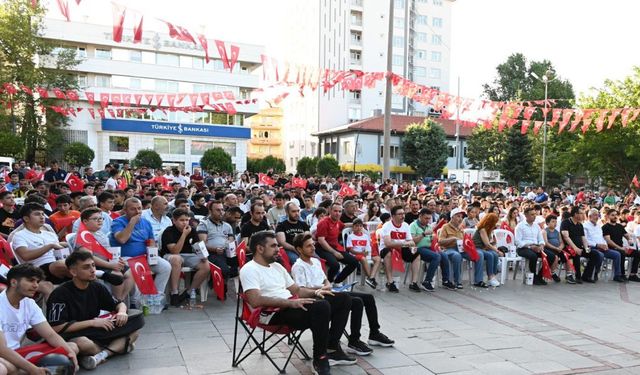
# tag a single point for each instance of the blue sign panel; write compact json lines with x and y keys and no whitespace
{"x":173,"y":128}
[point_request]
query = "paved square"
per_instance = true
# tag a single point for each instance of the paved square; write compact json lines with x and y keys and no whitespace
{"x":514,"y":329}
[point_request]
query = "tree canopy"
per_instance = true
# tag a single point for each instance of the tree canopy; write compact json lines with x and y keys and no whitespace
{"x":425,"y":149}
{"x":216,"y":159}
{"x":147,"y":158}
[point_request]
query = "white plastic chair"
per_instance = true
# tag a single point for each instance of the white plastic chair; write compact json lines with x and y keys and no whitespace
{"x":204,"y":288}
{"x":505,"y":238}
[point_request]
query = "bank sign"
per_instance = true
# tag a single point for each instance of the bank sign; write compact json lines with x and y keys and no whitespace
{"x":172,"y":128}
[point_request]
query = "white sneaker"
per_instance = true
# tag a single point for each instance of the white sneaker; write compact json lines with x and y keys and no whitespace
{"x":88,"y":362}
{"x":494,"y":282}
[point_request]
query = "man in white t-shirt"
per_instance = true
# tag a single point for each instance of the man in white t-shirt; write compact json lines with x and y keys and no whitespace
{"x":35,"y":245}
{"x":268,"y":285}
{"x":396,"y":235}
{"x":19,"y":312}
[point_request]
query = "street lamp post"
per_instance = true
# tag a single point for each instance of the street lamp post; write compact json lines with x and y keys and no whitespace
{"x":546,"y":78}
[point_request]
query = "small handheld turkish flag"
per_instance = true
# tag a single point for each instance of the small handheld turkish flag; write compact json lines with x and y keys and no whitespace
{"x":346,"y":191}
{"x":142,"y":274}
{"x":218,"y":281}
{"x":396,"y":260}
{"x":241,"y":253}
{"x":75,"y":183}
{"x":299,"y":182}
{"x":265,"y":179}
{"x":635,"y":181}
{"x":470,"y":248}
{"x":88,"y":241}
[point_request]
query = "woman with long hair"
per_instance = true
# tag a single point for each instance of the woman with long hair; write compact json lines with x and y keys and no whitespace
{"x":372,"y":214}
{"x":511,"y":220}
{"x":485,"y":244}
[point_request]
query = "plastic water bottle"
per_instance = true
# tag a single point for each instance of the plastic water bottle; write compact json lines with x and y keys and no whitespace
{"x":192,"y":298}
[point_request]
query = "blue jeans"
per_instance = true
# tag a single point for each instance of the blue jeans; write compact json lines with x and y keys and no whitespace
{"x":293,"y":256}
{"x":455,"y":259}
{"x":434,"y":259}
{"x":491,"y":258}
{"x":478,"y":266}
{"x":613,"y":255}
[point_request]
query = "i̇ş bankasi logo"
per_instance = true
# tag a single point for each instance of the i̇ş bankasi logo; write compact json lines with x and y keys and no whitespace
{"x":180,"y":128}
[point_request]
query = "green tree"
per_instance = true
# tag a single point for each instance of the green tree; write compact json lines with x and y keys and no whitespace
{"x":271,"y":162}
{"x":425,"y":149}
{"x":216,"y":160}
{"x":485,"y":148}
{"x":11,"y":145}
{"x":253,"y":165}
{"x":147,"y":158}
{"x":78,"y":154}
{"x":31,"y":60}
{"x":517,"y":162}
{"x":307,"y":166}
{"x":328,"y":166}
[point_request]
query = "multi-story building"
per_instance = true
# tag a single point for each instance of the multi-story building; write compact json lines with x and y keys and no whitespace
{"x":266,"y":134}
{"x":360,"y":144}
{"x":353,"y":34}
{"x":159,"y":64}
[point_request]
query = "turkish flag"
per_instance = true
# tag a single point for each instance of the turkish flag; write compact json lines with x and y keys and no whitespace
{"x":142,"y":274}
{"x":205,"y":46}
{"x":612,"y":117}
{"x":435,"y":246}
{"x":116,"y":99}
{"x":206,"y":97}
{"x":75,"y":183}
{"x":635,"y":181}
{"x":33,"y":353}
{"x":265,"y":179}
{"x":546,"y":270}
{"x":88,"y":241}
{"x":555,"y":115}
{"x":42,"y":92}
{"x":241,"y":253}
{"x":180,"y":33}
{"x":72,"y":95}
{"x":59,"y":93}
{"x":567,"y":258}
{"x":159,"y":98}
{"x":63,"y":5}
{"x":137,"y":31}
{"x":222,"y":50}
{"x":346,"y":191}
{"x":524,"y":127}
{"x":566,"y":117}
{"x":92,"y":112}
{"x":284,"y":259}
{"x":171,"y":98}
{"x":624,"y":117}
{"x":90,"y":97}
{"x":470,"y":247}
{"x":600,"y":120}
{"x":149,"y":98}
{"x":218,"y":281}
{"x":396,"y":260}
{"x":440,"y":190}
{"x":235,"y":53}
{"x":26,"y":89}
{"x":536,"y":127}
{"x":230,"y":109}
{"x":118,"y":21}
{"x":104,"y":99}
{"x":299,"y":182}
{"x":228,"y":95}
{"x":126,"y":100}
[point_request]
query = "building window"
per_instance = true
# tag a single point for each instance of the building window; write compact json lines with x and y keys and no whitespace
{"x":436,"y":22}
{"x":397,"y":60}
{"x":394,"y":152}
{"x":398,"y":41}
{"x":103,"y":81}
{"x":419,"y":71}
{"x":228,"y":147}
{"x":135,"y":83}
{"x":199,"y":147}
{"x":356,"y":19}
{"x":435,"y":73}
{"x":81,"y":53}
{"x":399,"y":3}
{"x":83,"y":81}
{"x":167,"y":59}
{"x":135,"y":56}
{"x":421,"y":37}
{"x":103,"y":54}
{"x":356,"y":38}
{"x":421,"y":20}
{"x":118,"y":144}
{"x":397,"y":101}
{"x":198,"y":63}
{"x":168,"y":146}
{"x":355,"y":57}
{"x":420,"y":54}
{"x":452,"y":151}
{"x":437,"y":3}
{"x":436,"y":56}
{"x":398,"y":22}
{"x":436,"y":39}
{"x":346,"y":148}
{"x":355,"y":114}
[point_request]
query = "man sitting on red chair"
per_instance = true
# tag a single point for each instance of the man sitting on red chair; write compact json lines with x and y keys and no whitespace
{"x":19,"y":312}
{"x":268,"y":285}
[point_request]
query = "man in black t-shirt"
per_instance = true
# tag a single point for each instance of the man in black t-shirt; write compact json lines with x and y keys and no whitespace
{"x":257,"y":223}
{"x":413,"y":214}
{"x":573,"y":235}
{"x":349,"y":213}
{"x":8,"y":213}
{"x":288,"y":229}
{"x":199,"y":205}
{"x":73,"y":310}
{"x":176,"y":249}
{"x":614,"y":233}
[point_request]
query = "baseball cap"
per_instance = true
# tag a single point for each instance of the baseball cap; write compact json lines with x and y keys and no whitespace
{"x":456,"y":211}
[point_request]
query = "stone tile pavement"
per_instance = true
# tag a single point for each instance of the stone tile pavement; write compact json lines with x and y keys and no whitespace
{"x":513,"y":329}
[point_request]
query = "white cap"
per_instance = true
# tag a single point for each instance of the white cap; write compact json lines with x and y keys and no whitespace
{"x":456,"y":211}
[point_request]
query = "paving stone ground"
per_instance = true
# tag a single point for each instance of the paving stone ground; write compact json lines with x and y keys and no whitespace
{"x":514,"y":329}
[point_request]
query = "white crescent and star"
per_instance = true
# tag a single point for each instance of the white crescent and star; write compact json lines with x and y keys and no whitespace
{"x":144,"y":270}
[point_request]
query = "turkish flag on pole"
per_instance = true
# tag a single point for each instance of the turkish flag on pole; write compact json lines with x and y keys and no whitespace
{"x":118,"y":21}
{"x":218,"y":281}
{"x":142,"y":274}
{"x":299,"y":182}
{"x":396,"y":260}
{"x":88,"y":241}
{"x":346,"y":191}
{"x":265,"y":180}
{"x":222,"y":50}
{"x":635,"y":181}
{"x":75,"y":183}
{"x":137,"y":31}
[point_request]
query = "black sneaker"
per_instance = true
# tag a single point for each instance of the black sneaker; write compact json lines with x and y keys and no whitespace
{"x":321,"y":366}
{"x":380,"y":339}
{"x":426,"y":285}
{"x":338,"y":357}
{"x":414,"y":287}
{"x":481,"y":284}
{"x":634,"y":278}
{"x":449,"y":285}
{"x":178,"y":299}
{"x":459,"y":286}
{"x":392,"y":287}
{"x":556,"y":278}
{"x":538,"y":280}
{"x":112,"y":279}
{"x":620,"y":279}
{"x":371,"y":282}
{"x":359,"y":348}
{"x":588,"y":280}
{"x":571,"y":279}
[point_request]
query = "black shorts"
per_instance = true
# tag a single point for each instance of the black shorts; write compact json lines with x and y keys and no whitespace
{"x":407,"y":255}
{"x":50,"y":277}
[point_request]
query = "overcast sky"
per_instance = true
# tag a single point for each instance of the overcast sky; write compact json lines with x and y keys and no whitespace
{"x":588,"y":41}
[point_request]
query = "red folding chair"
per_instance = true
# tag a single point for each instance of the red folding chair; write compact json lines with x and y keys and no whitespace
{"x":248,"y":318}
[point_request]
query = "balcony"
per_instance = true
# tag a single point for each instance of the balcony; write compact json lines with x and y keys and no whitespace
{"x":266,"y":141}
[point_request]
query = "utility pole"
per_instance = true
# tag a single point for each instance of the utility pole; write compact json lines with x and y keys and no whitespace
{"x":458,"y":144}
{"x":386,"y":149}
